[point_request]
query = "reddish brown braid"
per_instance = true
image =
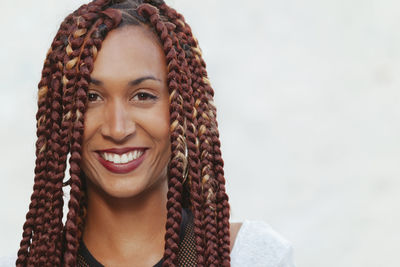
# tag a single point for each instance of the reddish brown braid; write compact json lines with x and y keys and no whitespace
{"x":205,"y":221}
{"x":194,"y":137}
{"x":46,"y":120}
{"x":177,"y":162}
{"x":59,"y":129}
{"x":214,"y":155}
{"x":211,"y":161}
{"x":192,"y":144}
{"x":210,"y":146}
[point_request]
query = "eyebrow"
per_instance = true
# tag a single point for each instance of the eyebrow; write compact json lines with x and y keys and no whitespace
{"x":130,"y":83}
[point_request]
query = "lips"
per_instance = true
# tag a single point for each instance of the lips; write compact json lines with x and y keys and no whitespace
{"x":121,"y":168}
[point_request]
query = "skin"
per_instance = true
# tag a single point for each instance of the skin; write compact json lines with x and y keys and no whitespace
{"x":129,"y":210}
{"x":234,"y":230}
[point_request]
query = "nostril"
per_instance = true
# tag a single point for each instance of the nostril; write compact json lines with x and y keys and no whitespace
{"x":118,"y":134}
{"x":118,"y":126}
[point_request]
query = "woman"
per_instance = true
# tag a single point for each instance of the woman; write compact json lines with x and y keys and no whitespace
{"x":124,"y":92}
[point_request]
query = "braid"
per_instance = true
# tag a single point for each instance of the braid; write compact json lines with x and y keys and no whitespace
{"x":75,"y":84}
{"x":203,"y":94}
{"x":195,"y":145}
{"x":40,"y":172}
{"x":212,"y":145}
{"x":82,"y":65}
{"x":195,"y":166}
{"x":82,"y":208}
{"x":222,"y":199}
{"x":207,"y":173}
{"x":45,"y":119}
{"x":176,"y":166}
{"x":60,"y":127}
{"x":51,"y":239}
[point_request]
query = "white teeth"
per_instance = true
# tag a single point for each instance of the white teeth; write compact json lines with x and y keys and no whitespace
{"x":124,"y":158}
{"x":117,"y":158}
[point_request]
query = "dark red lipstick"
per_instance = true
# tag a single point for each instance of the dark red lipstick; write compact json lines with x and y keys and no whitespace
{"x":121,"y":168}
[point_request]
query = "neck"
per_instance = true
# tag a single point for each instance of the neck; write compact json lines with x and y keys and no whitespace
{"x":126,"y":227}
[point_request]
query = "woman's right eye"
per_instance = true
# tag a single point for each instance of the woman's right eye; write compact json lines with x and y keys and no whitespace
{"x":92,"y":97}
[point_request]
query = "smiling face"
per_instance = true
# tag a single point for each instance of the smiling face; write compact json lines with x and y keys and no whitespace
{"x":126,"y":146}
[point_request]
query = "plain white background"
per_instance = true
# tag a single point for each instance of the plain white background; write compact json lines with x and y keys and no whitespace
{"x":308,"y":107}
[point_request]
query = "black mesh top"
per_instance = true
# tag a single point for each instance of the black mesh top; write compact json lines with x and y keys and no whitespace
{"x":187,"y":247}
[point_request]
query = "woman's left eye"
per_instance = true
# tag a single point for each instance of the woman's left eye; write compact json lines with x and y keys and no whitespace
{"x":143,"y":96}
{"x":92,"y":97}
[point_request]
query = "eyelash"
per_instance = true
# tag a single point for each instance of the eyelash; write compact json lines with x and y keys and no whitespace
{"x":147,"y":96}
{"x":89,"y":94}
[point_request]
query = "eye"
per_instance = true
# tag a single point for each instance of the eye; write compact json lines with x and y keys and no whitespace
{"x":92,"y":97}
{"x":144,"y":96}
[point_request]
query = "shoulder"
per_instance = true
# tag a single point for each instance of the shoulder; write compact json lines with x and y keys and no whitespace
{"x":257,"y":244}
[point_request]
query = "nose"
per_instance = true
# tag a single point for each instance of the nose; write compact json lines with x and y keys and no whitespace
{"x":118,"y":124}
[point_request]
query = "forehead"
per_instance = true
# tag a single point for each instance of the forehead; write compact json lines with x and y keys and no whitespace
{"x":131,"y":51}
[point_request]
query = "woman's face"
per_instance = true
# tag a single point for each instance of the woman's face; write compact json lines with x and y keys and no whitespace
{"x":126,"y":146}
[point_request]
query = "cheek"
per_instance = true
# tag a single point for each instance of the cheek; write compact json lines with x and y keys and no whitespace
{"x":160,"y":125}
{"x":156,"y":123}
{"x":161,"y":131}
{"x":165,"y":125}
{"x":89,"y":124}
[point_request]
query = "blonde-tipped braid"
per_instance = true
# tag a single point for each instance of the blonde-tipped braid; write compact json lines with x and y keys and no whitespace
{"x":83,"y":67}
{"x":176,"y":166}
{"x":207,"y":128}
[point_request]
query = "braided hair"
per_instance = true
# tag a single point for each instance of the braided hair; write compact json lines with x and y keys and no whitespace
{"x":195,"y":171}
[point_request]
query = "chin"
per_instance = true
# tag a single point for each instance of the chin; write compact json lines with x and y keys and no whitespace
{"x":131,"y":189}
{"x":124,"y":190}
{"x":122,"y":193}
{"x":111,"y":186}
